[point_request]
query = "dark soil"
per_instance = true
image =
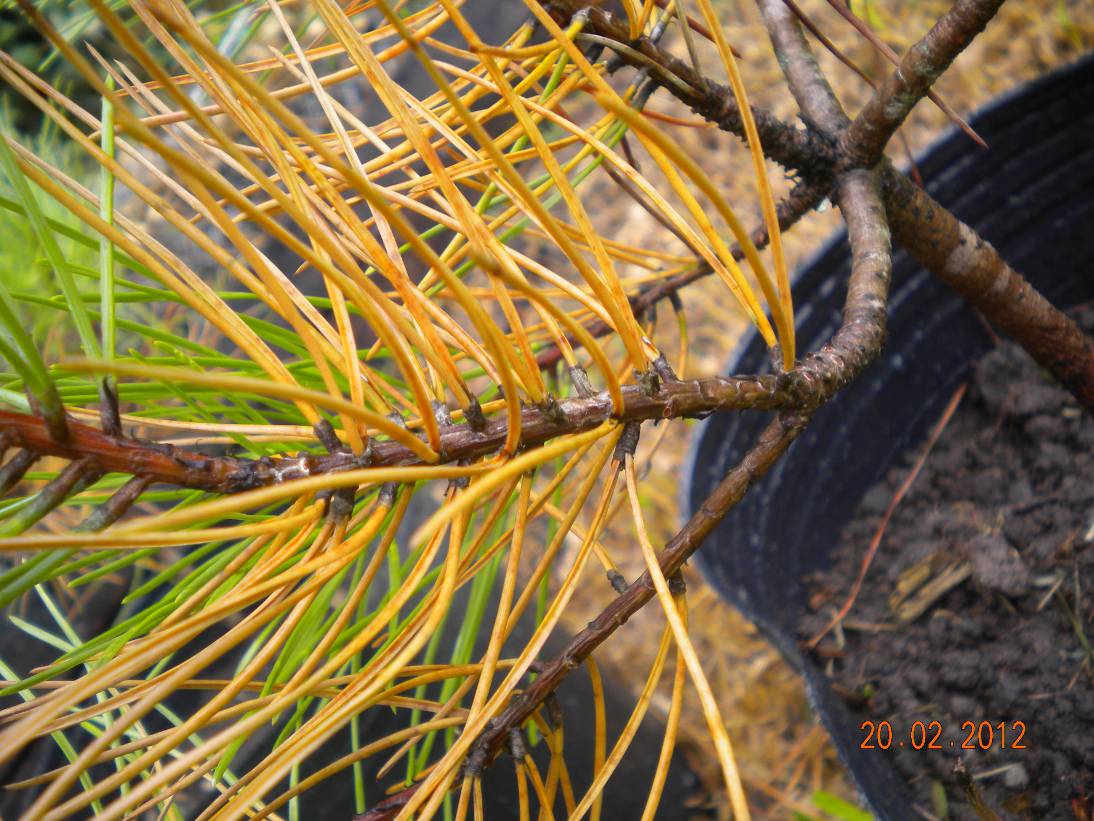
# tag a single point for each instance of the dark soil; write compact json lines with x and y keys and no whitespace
{"x":979,"y":606}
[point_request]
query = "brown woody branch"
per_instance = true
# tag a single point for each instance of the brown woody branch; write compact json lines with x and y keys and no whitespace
{"x":227,"y":474}
{"x":971,"y":266}
{"x":863,"y":143}
{"x":807,"y":83}
{"x":882,"y":48}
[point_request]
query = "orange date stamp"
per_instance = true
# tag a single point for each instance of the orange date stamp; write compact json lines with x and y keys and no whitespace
{"x":932,"y":735}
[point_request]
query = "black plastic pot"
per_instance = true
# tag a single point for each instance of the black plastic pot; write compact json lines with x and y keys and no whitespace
{"x":1032,"y":195}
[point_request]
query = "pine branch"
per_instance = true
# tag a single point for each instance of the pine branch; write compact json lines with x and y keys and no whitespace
{"x":225,"y":474}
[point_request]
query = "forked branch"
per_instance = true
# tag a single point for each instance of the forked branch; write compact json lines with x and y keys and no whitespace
{"x":946,"y":246}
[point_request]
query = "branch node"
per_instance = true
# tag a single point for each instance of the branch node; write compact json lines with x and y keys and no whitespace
{"x":648,"y":381}
{"x":386,"y":498}
{"x":16,"y":467}
{"x":458,"y":482}
{"x":554,"y":706}
{"x":617,"y":580}
{"x":476,"y":761}
{"x":476,"y":419}
{"x":517,"y":746}
{"x":628,"y":442}
{"x":552,"y":410}
{"x":579,"y":378}
{"x":441,"y":413}
{"x":109,"y":414}
{"x":677,"y":585}
{"x":664,"y":370}
{"x":324,"y":432}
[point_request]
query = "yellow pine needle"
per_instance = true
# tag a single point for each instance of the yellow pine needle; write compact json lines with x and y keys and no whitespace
{"x":112,"y":541}
{"x":506,"y":470}
{"x":589,"y":234}
{"x":598,"y":547}
{"x":477,"y":793}
{"x":633,"y":10}
{"x":600,"y":730}
{"x":340,"y":710}
{"x":475,"y":311}
{"x":488,"y":524}
{"x":609,"y":99}
{"x":227,"y":261}
{"x":431,"y":794}
{"x":624,"y":321}
{"x":367,"y":751}
{"x":232,"y":382}
{"x":522,"y":791}
{"x":286,"y":543}
{"x":505,"y":599}
{"x":626,"y":736}
{"x":672,"y":725}
{"x":711,"y":713}
{"x":547,"y":559}
{"x":144,"y":654}
{"x":715,"y":260}
{"x":767,"y":199}
{"x":674,"y":157}
{"x":411,"y":297}
{"x":323,"y":648}
{"x":264,"y":100}
{"x":583,"y":336}
{"x":538,"y":787}
{"x":440,"y":711}
{"x":286,"y":697}
{"x":535,"y":509}
{"x":401,"y":279}
{"x":557,"y":773}
{"x":374,"y":35}
{"x":469,"y":220}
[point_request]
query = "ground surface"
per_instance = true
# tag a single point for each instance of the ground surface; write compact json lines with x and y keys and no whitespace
{"x":976,"y":605}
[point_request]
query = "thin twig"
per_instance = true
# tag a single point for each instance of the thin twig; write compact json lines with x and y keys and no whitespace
{"x":818,"y":103}
{"x":865,"y":140}
{"x":794,"y":148}
{"x":116,"y":506}
{"x":14,"y":469}
{"x":76,"y":476}
{"x":886,"y":51}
